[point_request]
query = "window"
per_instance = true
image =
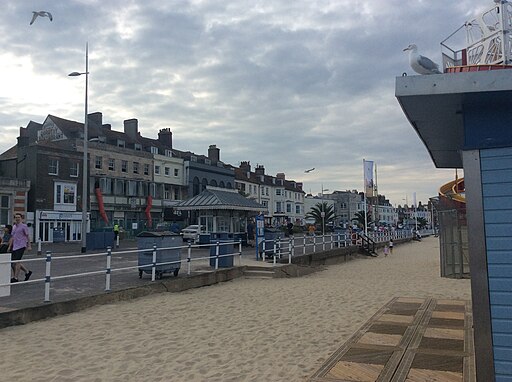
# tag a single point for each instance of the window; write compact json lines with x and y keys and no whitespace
{"x":168,"y":153}
{"x":288,"y":207}
{"x":121,"y":143}
{"x":154,"y":150}
{"x":297,"y":209}
{"x":138,"y":147}
{"x":278,"y":191}
{"x":176,"y":172}
{"x":176,"y":194}
{"x":279,"y":207}
{"x":73,"y":169}
{"x":264,"y":203}
{"x":157,"y":170}
{"x":111,"y":164}
{"x":4,"y":209}
{"x":167,"y":171}
{"x":53,"y":167}
{"x":135,"y":167}
{"x":167,"y":194}
{"x":266,"y":191}
{"x":124,"y":166}
{"x":146,"y":169}
{"x":98,"y":162}
{"x":65,"y":196}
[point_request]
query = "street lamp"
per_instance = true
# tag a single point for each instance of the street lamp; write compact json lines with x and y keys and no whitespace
{"x":85,"y":161}
{"x":322,"y":213}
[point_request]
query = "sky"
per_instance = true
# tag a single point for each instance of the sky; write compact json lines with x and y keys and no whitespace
{"x":289,"y":85}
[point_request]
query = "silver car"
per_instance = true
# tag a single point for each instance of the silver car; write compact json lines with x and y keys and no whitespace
{"x":190,"y":233}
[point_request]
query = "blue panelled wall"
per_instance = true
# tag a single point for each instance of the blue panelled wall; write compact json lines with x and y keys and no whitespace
{"x":496,"y":176}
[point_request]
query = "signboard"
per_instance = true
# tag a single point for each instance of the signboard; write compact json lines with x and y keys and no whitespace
{"x":134,"y":226}
{"x":260,"y":232}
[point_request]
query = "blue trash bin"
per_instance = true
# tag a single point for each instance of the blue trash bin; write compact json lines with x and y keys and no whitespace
{"x":221,"y":237}
{"x":170,"y":242}
{"x":271,"y":236}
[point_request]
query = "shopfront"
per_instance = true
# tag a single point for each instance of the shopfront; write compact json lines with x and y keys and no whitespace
{"x":67,"y":224}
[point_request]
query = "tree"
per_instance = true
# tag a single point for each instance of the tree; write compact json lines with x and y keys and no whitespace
{"x":359,"y":218}
{"x":316,"y":213}
{"x":422,"y":223}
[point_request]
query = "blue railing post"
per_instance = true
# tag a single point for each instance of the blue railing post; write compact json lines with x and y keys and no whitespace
{"x":109,"y":269}
{"x":47,"y":277}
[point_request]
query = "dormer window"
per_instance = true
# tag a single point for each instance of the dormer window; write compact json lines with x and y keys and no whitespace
{"x":138,"y":147}
{"x":168,"y":153}
{"x":121,"y":143}
{"x":193,"y":158}
{"x":154,"y":150}
{"x":207,"y":161}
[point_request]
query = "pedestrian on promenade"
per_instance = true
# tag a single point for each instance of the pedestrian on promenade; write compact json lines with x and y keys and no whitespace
{"x":4,"y":240}
{"x":20,"y":240}
{"x":116,"y":231}
{"x":390,"y":245}
{"x":386,"y":251}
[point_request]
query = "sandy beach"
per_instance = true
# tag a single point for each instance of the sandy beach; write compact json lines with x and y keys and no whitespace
{"x":243,"y":330}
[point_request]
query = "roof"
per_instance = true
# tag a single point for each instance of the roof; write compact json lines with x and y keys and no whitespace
{"x":216,"y":199}
{"x":436,"y":106}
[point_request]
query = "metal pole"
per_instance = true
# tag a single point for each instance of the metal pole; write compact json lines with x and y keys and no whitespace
{"x":39,"y":249}
{"x":85,"y":188}
{"x":153,"y":268}
{"x":240,"y":252}
{"x":47,"y":277}
{"x":189,"y":255}
{"x":109,"y":263}
{"x":217,"y":256}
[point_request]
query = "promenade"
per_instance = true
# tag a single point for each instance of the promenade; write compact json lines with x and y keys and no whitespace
{"x":281,"y":329}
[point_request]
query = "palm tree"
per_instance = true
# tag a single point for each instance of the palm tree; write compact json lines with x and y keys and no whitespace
{"x":316,"y":213}
{"x":359,"y":218}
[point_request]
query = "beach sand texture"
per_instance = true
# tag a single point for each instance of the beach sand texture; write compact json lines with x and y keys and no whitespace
{"x":243,"y":330}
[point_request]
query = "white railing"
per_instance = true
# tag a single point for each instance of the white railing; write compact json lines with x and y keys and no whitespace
{"x":213,"y":254}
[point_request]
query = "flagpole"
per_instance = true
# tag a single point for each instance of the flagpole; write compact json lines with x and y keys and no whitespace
{"x":364,"y":200}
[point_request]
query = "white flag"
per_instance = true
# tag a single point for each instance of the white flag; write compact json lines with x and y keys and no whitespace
{"x":368,"y":177}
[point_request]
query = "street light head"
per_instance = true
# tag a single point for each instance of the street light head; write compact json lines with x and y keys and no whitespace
{"x":76,"y":74}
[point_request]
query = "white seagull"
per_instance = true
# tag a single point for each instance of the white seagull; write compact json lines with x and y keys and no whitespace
{"x":42,"y":14}
{"x":419,"y":63}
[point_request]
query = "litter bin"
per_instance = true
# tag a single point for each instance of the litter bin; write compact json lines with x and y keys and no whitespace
{"x":58,"y":235}
{"x":204,"y":238}
{"x":221,"y":237}
{"x":171,"y":254}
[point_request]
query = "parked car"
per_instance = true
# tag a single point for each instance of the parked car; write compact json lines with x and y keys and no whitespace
{"x":190,"y":233}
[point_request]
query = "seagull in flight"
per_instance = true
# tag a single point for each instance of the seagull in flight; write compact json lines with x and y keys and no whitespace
{"x":419,"y":63}
{"x":41,"y":14}
{"x":311,"y":169}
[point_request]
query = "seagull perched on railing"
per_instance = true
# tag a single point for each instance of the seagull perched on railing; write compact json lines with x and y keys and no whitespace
{"x":419,"y":63}
{"x":41,"y":14}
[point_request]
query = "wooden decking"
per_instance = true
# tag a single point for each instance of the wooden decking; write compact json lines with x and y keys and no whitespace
{"x":409,"y":339}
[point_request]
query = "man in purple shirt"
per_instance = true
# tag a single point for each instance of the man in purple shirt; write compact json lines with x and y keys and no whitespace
{"x":20,"y":240}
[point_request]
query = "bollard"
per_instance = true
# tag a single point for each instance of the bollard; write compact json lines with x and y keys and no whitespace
{"x":153,"y":268}
{"x":117,"y":241}
{"x":263,"y":246}
{"x":189,"y":256}
{"x":314,"y":242}
{"x":109,"y":269}
{"x":47,"y":276}
{"x":304,"y":246}
{"x":39,"y":249}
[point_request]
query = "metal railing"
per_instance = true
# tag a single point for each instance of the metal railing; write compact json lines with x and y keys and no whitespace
{"x":212,"y":253}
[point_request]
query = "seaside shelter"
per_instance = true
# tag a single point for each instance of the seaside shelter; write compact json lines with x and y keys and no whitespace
{"x":464,"y":119}
{"x":220,"y":210}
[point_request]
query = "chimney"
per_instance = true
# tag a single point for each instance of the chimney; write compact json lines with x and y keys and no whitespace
{"x":96,"y":118}
{"x":213,"y":153}
{"x":259,"y":170}
{"x":107,"y":126}
{"x":131,"y":127}
{"x":245,"y":166}
{"x":23,"y":139}
{"x":165,"y":137}
{"x":280,"y":175}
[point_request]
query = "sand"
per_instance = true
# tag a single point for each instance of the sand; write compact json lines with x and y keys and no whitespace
{"x":242,"y":330}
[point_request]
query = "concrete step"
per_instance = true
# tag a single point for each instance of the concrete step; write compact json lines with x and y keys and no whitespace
{"x":259,"y":272}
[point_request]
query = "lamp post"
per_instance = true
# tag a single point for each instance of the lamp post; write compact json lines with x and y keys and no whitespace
{"x":85,"y":189}
{"x":322,"y":213}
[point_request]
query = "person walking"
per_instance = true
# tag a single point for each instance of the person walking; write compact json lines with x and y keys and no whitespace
{"x":19,"y":241}
{"x":390,"y":245}
{"x":4,"y":243}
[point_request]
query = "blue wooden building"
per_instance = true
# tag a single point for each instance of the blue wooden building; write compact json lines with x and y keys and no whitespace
{"x":465,"y":121}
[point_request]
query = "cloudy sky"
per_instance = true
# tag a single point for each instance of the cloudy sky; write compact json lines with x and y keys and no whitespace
{"x":287,"y":84}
